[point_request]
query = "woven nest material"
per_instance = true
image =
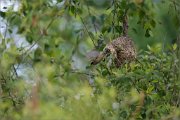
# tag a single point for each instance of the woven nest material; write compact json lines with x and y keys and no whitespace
{"x":122,"y":49}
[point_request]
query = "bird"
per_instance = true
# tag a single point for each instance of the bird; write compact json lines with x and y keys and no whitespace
{"x":122,"y":48}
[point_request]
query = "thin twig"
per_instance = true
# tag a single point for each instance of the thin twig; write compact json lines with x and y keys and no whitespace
{"x":40,"y":37}
{"x":87,"y":31}
{"x":113,"y":22}
{"x":140,"y":105}
{"x":94,"y":25}
{"x":125,"y":23}
{"x":15,"y":71}
{"x":84,"y":73}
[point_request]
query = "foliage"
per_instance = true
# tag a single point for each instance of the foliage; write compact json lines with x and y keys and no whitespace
{"x":44,"y":74}
{"x":154,"y":80}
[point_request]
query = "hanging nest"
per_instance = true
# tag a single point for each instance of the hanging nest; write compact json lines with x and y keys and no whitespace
{"x":122,"y":49}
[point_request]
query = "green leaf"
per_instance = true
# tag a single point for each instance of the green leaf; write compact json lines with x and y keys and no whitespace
{"x":148,"y":33}
{"x":150,"y":89}
{"x":174,"y":46}
{"x":93,"y":19}
{"x":2,"y":14}
{"x":149,"y":48}
{"x":105,"y":72}
{"x":153,"y":23}
{"x":59,"y":1}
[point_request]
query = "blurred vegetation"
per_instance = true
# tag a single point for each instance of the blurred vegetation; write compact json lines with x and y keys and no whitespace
{"x":51,"y":78}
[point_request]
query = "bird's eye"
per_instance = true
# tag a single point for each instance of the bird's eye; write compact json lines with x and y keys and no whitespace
{"x":107,"y":50}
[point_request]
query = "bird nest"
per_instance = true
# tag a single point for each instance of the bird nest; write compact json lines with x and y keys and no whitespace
{"x":122,"y":49}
